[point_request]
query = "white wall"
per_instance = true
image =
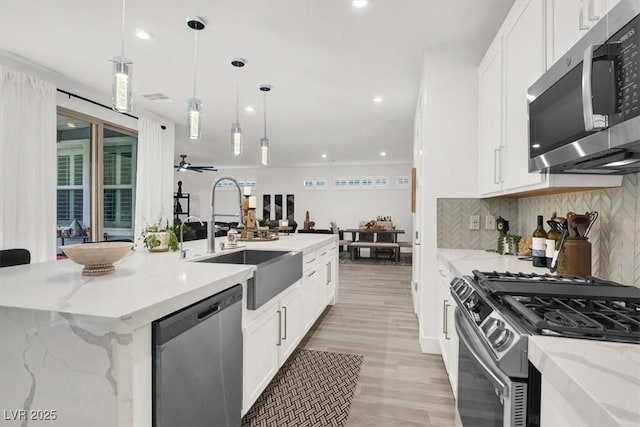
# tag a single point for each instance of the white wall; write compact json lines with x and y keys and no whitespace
{"x":345,"y":207}
{"x":448,"y":140}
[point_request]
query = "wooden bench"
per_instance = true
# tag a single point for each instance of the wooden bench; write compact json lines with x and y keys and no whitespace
{"x":355,"y":247}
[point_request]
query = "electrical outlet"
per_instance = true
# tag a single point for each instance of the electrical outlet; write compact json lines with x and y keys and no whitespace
{"x":474,"y":223}
{"x":489,"y":222}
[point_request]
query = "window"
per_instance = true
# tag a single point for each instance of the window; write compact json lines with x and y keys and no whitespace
{"x":88,"y":149}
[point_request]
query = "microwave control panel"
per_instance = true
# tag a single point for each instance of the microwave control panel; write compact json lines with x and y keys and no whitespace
{"x":626,"y":70}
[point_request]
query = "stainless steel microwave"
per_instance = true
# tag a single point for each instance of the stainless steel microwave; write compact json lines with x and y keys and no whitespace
{"x":584,"y":112}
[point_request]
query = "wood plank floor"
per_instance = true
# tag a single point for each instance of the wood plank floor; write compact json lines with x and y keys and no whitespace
{"x":399,"y":385}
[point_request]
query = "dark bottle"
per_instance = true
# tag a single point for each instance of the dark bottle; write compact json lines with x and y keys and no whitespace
{"x":539,"y":245}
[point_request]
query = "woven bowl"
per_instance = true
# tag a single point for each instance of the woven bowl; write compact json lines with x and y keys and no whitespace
{"x":97,"y":258}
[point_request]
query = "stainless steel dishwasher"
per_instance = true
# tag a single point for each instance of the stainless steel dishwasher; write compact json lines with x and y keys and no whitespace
{"x":197,"y":363}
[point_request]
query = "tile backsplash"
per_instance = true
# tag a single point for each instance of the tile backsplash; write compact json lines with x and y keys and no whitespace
{"x":615,"y":237}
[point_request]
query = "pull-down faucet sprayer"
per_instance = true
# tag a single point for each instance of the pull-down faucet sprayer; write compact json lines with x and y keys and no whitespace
{"x":211,"y":232}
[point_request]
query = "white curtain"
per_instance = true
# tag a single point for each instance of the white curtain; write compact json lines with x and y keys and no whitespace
{"x":27,"y":165}
{"x":154,"y":179}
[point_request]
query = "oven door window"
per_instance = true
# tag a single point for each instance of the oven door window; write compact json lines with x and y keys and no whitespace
{"x":478,"y":402}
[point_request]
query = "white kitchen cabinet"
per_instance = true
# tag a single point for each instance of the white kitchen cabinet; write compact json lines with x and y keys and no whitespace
{"x":524,"y":60}
{"x":490,"y":119}
{"x":517,"y":57}
{"x":568,"y":20}
{"x":447,"y":336}
{"x":291,"y":318}
{"x":313,"y":295}
{"x":260,"y":353}
{"x":329,"y":259}
{"x":269,"y":339}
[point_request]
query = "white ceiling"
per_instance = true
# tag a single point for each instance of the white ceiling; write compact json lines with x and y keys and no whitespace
{"x":325,"y":60}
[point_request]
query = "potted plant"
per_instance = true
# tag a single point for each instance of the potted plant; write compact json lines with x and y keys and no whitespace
{"x":159,"y":237}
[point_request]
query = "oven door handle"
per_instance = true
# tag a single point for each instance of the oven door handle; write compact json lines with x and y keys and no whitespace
{"x":472,"y":344}
{"x":591,"y":121}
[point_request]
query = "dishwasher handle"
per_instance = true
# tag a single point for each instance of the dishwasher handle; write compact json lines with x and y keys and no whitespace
{"x":209,"y":311}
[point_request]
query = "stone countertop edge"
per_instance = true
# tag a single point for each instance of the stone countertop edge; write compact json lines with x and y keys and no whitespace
{"x":601,"y":380}
{"x":144,"y":287}
{"x":463,"y":261}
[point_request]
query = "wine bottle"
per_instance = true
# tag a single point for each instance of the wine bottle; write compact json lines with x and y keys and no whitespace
{"x":552,"y":237}
{"x":539,"y":245}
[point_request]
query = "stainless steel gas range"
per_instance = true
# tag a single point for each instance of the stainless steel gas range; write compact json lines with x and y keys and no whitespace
{"x":495,"y":315}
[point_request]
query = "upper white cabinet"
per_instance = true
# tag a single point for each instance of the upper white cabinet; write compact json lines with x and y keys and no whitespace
{"x":568,"y":20}
{"x":524,"y":59}
{"x":490,"y":119}
{"x":517,"y":57}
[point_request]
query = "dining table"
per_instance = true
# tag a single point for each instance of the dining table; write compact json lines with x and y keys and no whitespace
{"x":355,"y":232}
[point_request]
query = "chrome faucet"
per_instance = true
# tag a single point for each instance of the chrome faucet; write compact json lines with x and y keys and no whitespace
{"x":183,"y":252}
{"x":211,"y":231}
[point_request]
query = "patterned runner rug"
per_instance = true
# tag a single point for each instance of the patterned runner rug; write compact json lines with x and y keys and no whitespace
{"x":313,"y":388}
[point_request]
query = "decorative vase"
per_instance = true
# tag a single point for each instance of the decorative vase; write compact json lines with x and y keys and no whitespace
{"x":163,"y":237}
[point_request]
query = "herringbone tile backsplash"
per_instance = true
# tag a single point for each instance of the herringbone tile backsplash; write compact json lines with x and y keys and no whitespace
{"x":615,"y":237}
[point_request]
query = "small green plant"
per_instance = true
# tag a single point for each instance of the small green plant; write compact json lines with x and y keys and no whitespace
{"x":151,"y":241}
{"x":264,"y":222}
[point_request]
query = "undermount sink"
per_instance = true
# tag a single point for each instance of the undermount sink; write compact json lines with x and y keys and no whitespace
{"x":276,"y":271}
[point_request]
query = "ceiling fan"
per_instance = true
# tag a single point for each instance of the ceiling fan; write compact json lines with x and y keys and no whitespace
{"x":184,"y":165}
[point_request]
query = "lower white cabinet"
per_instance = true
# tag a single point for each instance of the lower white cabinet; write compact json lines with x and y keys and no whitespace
{"x":269,"y":339}
{"x":313,"y":295}
{"x":447,"y":336}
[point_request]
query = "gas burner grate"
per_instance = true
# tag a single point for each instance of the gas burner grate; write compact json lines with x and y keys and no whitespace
{"x":507,"y":276}
{"x":580,"y":317}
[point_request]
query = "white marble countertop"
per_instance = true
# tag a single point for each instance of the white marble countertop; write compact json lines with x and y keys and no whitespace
{"x":145,"y":285}
{"x":464,"y":261}
{"x":600,"y":380}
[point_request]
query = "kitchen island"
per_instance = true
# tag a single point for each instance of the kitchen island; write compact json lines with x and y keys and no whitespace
{"x":76,"y":350}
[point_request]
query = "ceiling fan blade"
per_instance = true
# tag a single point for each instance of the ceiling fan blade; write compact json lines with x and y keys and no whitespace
{"x":202,"y":167}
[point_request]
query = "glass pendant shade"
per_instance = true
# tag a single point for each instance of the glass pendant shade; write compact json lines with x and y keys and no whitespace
{"x":194,"y":108}
{"x":264,"y":151}
{"x":236,"y":139}
{"x":121,"y":84}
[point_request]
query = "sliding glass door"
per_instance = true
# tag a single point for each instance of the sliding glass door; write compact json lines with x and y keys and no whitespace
{"x":96,"y":179}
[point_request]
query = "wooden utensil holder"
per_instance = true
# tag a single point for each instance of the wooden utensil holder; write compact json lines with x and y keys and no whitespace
{"x":575,"y":257}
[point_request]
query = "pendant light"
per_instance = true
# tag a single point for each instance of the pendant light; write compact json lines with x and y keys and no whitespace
{"x":264,"y":142}
{"x":236,"y":130}
{"x":194,"y":105}
{"x":121,"y":80}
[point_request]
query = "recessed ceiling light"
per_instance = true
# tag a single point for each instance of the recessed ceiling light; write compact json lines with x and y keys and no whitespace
{"x":324,"y":156}
{"x":249,"y":109}
{"x":144,"y":34}
{"x":71,"y":125}
{"x":377,"y":99}
{"x":383,"y":153}
{"x":360,"y":3}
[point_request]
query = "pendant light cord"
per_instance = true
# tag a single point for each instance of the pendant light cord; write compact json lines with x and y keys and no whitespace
{"x":195,"y":60}
{"x":265,"y":115}
{"x":123,"y":4}
{"x":237,"y":102}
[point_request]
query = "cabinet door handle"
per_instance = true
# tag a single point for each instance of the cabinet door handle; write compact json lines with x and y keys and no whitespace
{"x":311,"y":274}
{"x":496,"y":158}
{"x":444,"y":317}
{"x":284,"y":310}
{"x":279,"y":328}
{"x":323,"y":254}
{"x":446,"y":320}
{"x":328,"y":273}
{"x":310,"y":261}
{"x":442,"y":273}
{"x":581,"y":25}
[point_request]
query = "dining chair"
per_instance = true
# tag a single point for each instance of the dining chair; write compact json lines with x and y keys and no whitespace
{"x":11,"y":257}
